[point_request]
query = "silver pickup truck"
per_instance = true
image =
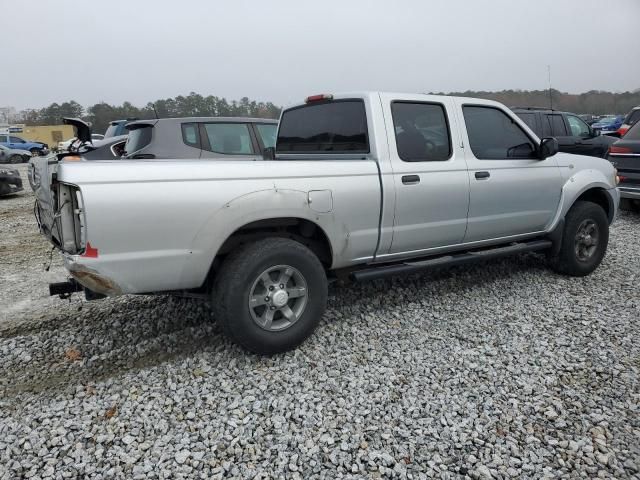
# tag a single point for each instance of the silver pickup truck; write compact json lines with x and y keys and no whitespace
{"x":359,"y":186}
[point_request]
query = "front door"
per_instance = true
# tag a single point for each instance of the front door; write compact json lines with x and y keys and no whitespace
{"x":429,"y":173}
{"x":512,"y":192}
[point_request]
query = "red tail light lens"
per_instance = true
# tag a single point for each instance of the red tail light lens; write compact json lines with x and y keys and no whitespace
{"x":622,"y":130}
{"x":318,"y":98}
{"x":614,"y":149}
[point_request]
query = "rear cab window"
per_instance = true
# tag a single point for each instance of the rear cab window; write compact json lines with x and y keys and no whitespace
{"x":139,"y":137}
{"x":324,"y":127}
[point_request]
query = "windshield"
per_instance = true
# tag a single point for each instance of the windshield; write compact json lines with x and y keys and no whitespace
{"x":607,"y":120}
{"x":138,"y":138}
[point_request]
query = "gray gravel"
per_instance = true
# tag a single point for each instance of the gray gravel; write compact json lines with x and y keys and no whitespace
{"x":498,"y":371}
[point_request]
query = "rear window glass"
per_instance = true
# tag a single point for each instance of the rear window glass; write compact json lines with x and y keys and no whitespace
{"x":113,"y":131}
{"x":422,"y":133}
{"x":633,"y":117}
{"x":333,"y":127}
{"x":267,"y":133}
{"x":229,"y":138}
{"x":633,"y":133}
{"x":138,"y":138}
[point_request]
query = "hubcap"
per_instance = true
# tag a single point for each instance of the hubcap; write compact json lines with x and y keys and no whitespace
{"x":586,"y":241}
{"x":278,"y":298}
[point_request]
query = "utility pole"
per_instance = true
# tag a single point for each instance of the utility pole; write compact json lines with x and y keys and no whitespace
{"x":550,"y":97}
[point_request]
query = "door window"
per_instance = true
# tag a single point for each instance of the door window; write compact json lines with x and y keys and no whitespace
{"x":3,"y":138}
{"x":529,"y":119}
{"x":495,"y":135}
{"x":578,"y":127}
{"x":190,"y":134}
{"x":229,"y":138}
{"x":267,"y":133}
{"x":556,"y":125}
{"x":422,"y":132}
{"x":17,"y":140}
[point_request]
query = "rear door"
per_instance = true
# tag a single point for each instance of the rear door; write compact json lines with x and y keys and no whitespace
{"x":429,"y":173}
{"x":512,"y":191}
{"x":228,"y":140}
{"x":557,"y":127}
{"x":584,"y":142}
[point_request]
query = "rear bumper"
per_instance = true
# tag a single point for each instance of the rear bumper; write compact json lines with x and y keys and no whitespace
{"x":10,"y":184}
{"x":629,"y":192}
{"x":90,"y":277}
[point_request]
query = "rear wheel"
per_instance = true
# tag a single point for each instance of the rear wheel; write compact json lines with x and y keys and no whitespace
{"x":270,"y":295}
{"x":584,"y":241}
{"x":15,"y":158}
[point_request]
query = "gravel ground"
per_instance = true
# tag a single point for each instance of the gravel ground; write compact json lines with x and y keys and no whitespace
{"x":496,"y":371}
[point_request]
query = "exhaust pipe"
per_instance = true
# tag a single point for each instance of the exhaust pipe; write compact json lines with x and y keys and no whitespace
{"x":64,"y":289}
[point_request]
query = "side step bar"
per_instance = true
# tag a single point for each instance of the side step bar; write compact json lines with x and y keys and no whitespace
{"x":462,"y":258}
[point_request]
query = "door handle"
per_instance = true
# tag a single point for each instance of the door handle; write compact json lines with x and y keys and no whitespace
{"x":410,"y":179}
{"x":481,"y":175}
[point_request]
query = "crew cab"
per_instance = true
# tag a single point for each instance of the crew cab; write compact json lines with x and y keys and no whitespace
{"x":358,"y":186}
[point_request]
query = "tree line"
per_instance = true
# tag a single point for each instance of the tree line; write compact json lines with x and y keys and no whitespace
{"x":595,"y":101}
{"x":192,"y":105}
{"x":195,"y":105}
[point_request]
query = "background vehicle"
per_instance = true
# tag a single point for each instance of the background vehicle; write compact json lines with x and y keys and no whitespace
{"x":116,"y":128}
{"x":630,"y":120}
{"x":12,"y":155}
{"x":625,"y":156}
{"x":10,"y":181}
{"x":609,"y":124}
{"x":64,"y":146}
{"x":573,"y":134}
{"x":36,"y":148}
{"x":361,"y":185}
{"x":589,"y":118}
{"x":200,"y":137}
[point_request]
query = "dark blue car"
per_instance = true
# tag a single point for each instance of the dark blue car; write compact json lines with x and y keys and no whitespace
{"x":608,"y":124}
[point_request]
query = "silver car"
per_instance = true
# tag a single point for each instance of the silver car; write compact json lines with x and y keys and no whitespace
{"x":13,"y":155}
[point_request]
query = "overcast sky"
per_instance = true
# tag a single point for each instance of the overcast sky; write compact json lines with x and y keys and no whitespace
{"x":283,"y":50}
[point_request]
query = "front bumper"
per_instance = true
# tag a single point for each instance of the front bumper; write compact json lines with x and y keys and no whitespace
{"x":10,"y":184}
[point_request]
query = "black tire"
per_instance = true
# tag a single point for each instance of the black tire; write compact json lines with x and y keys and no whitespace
{"x":236,"y":282}
{"x":35,"y":152}
{"x":630,"y":204}
{"x":576,"y":257}
{"x":15,"y":158}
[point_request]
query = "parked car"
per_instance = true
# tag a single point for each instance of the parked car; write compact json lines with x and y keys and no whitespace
{"x":200,"y":137}
{"x":10,"y":181}
{"x":116,"y":128}
{"x":630,"y":120}
{"x":36,"y":148}
{"x":194,"y":137}
{"x":609,"y":124}
{"x":573,"y":134}
{"x":64,"y":146}
{"x":12,"y":155}
{"x":359,"y":186}
{"x":589,"y":118}
{"x":625,"y":156}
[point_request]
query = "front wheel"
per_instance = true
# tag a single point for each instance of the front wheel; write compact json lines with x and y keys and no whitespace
{"x":584,"y":241}
{"x":15,"y":159}
{"x":269,"y":295}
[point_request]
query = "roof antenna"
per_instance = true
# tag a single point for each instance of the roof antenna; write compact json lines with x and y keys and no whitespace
{"x":155,"y":111}
{"x":550,"y":97}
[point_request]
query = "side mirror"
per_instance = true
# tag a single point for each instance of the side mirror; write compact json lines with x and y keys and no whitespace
{"x":269,"y":153}
{"x":548,"y":148}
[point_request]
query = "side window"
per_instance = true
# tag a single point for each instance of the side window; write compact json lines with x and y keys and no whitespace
{"x":494,"y":135}
{"x":229,"y":138}
{"x":577,"y":126}
{"x":267,"y":133}
{"x":557,"y":126}
{"x":190,"y":134}
{"x":530,"y":120}
{"x":17,"y":140}
{"x":3,"y":138}
{"x":422,"y":132}
{"x":337,"y":126}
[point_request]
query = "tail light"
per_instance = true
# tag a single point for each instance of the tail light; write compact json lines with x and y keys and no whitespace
{"x":615,"y":149}
{"x":623,"y":129}
{"x":318,"y":98}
